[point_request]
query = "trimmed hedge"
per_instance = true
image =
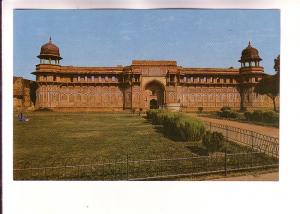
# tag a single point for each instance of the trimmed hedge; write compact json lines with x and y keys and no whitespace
{"x":177,"y":125}
{"x":214,"y":142}
{"x":227,"y":113}
{"x":262,"y":116}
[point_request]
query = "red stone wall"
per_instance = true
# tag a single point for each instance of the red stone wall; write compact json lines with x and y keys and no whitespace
{"x":118,"y":88}
{"x":80,"y":97}
{"x":22,"y":94}
{"x":210,"y":98}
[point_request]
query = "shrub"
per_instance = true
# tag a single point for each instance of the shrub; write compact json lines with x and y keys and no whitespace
{"x":155,"y":116}
{"x":247,"y":115}
{"x":177,"y":125}
{"x":213,"y":141}
{"x":257,"y":115}
{"x":270,"y":117}
{"x":225,"y":108}
{"x":224,"y":113}
{"x":234,"y":114}
{"x":190,"y":129}
{"x":262,"y":116}
{"x":227,"y":113}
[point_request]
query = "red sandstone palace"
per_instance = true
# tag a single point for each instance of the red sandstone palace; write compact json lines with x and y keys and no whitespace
{"x":147,"y":84}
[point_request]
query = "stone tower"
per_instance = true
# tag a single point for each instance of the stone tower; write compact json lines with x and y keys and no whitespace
{"x":250,"y":74}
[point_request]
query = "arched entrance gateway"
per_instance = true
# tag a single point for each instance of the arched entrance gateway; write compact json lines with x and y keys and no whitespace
{"x":154,"y":95}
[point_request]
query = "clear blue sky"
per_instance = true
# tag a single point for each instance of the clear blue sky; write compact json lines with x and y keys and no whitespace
{"x":192,"y":37}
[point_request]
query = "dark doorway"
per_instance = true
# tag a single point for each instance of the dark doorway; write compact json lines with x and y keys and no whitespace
{"x":154,"y":94}
{"x":153,"y":104}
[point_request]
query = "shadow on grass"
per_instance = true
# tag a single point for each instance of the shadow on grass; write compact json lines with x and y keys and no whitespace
{"x":232,"y":147}
{"x":198,"y":150}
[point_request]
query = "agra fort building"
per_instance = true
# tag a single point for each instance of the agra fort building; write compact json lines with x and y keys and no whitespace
{"x":147,"y":84}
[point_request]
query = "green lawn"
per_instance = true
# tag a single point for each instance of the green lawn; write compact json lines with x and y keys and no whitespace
{"x":51,"y":135}
{"x":105,"y":146}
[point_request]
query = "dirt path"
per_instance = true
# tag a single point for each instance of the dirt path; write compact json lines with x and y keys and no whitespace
{"x":266,"y":130}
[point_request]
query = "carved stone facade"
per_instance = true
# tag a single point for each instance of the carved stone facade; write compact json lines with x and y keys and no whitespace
{"x":146,"y":84}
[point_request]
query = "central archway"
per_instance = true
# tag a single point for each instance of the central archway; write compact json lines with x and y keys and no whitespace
{"x":155,"y":94}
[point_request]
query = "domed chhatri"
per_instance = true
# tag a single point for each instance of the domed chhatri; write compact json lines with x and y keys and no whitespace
{"x":250,"y":57}
{"x":49,"y":53}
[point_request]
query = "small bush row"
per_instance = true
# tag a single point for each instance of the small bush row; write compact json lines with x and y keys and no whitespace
{"x":226,"y":112}
{"x":177,"y":125}
{"x":262,"y":116}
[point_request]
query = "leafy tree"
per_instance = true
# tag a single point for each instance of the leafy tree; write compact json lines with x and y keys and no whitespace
{"x":277,"y":64}
{"x":269,"y":84}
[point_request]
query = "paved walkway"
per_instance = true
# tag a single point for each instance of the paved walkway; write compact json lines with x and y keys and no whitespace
{"x":266,"y":130}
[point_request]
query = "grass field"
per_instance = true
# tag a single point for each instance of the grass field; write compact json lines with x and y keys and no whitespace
{"x":55,"y":139}
{"x":110,"y":136}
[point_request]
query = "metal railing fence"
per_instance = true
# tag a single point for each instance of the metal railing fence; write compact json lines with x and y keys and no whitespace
{"x":258,"y":142}
{"x":151,"y":169}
